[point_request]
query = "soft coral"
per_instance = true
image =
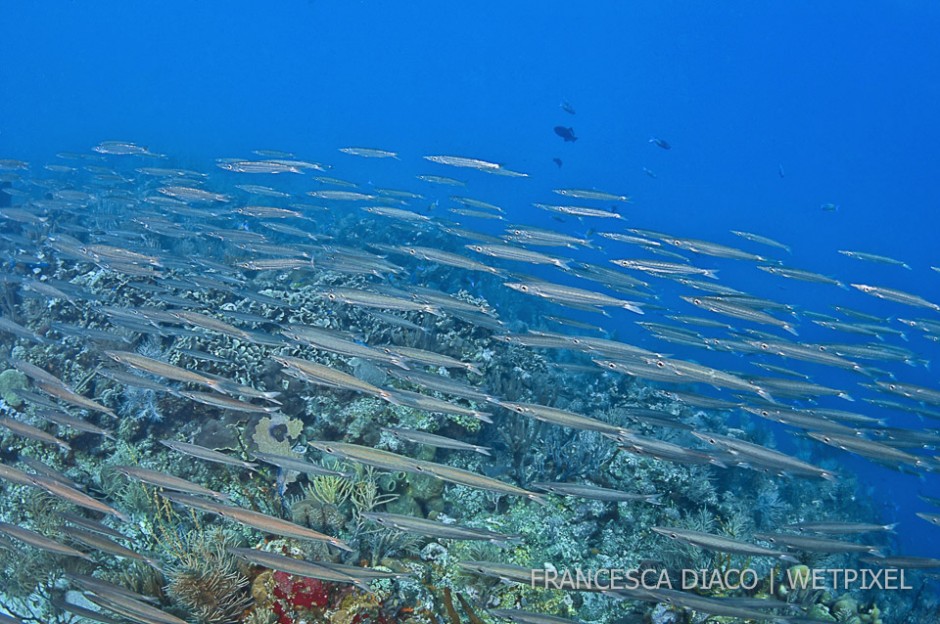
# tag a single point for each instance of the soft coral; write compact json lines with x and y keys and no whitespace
{"x":298,"y":593}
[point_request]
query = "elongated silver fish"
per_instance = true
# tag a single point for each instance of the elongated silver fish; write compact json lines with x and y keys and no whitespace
{"x":37,"y":540}
{"x":735,"y":309}
{"x":437,"y":530}
{"x":324,"y":375}
{"x":896,"y":296}
{"x":763,"y":240}
{"x":71,"y":495}
{"x":167,"y":481}
{"x":460,"y":161}
{"x":431,"y":439}
{"x":867,"y":448}
{"x":527,"y":617}
{"x":508,"y":252}
{"x":201,"y":452}
{"x":870,"y":257}
{"x":65,"y":420}
{"x":719,"y":543}
{"x":297,"y":464}
{"x":331,"y":340}
{"x":368,"y":152}
{"x":841,"y":528}
{"x":570,"y":295}
{"x":33,"y":433}
{"x":466,"y":478}
{"x":762,"y":457}
{"x":590,"y":194}
{"x":227,"y":403}
{"x":383,"y":460}
{"x":816,"y":544}
{"x":562,"y":417}
{"x":100,"y":543}
{"x":66,"y":394}
{"x":595,"y":492}
{"x":662,"y":268}
{"x":257,"y":520}
{"x":580,"y":211}
{"x":299,"y":567}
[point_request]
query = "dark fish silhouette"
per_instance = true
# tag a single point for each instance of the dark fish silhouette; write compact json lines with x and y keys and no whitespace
{"x":661,"y":143}
{"x":567,"y":107}
{"x":558,"y":162}
{"x":566,"y":133}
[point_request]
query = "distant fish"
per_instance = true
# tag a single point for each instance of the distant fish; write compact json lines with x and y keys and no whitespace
{"x":566,"y":133}
{"x":436,"y":179}
{"x":461,"y":161}
{"x":757,"y":238}
{"x":660,"y":143}
{"x":567,"y":107}
{"x":649,"y":173}
{"x":780,"y":171}
{"x":591,"y":194}
{"x":124,"y":148}
{"x":870,"y":257}
{"x":558,"y":162}
{"x":368,"y":152}
{"x":829,"y":207}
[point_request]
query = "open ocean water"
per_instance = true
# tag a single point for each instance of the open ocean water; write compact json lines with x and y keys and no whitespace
{"x":182,"y":233}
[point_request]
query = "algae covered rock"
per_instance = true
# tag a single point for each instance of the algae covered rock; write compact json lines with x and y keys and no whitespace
{"x":12,"y":380}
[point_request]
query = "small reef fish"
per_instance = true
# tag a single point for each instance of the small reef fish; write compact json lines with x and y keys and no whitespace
{"x":566,"y":133}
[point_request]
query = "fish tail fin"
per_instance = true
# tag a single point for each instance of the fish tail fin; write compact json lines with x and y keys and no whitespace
{"x":482,"y":450}
{"x":483,"y":416}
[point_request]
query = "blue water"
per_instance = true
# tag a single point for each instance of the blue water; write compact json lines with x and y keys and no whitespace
{"x":840,"y":98}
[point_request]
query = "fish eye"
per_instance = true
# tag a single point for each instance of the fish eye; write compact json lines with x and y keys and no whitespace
{"x":611,"y":365}
{"x":764,"y":413}
{"x":673,"y":536}
{"x":764,"y":346}
{"x":697,"y":301}
{"x":660,"y":364}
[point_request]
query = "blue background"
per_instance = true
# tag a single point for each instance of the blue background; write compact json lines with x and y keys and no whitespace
{"x":842,"y":95}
